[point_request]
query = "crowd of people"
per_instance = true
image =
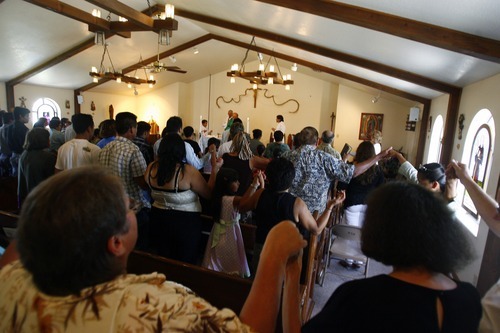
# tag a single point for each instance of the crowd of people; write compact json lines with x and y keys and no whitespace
{"x":122,"y":194}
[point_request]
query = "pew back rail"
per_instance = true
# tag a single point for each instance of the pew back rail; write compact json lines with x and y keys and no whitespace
{"x":221,"y":290}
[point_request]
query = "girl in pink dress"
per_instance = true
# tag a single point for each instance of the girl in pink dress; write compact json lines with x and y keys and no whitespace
{"x":225,"y":250}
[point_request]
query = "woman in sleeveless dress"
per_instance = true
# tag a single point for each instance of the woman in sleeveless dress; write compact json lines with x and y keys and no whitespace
{"x":175,"y":214}
{"x":225,"y":251}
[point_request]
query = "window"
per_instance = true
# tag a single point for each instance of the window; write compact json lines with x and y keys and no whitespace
{"x":478,"y":148}
{"x":46,"y":108}
{"x":436,"y":141}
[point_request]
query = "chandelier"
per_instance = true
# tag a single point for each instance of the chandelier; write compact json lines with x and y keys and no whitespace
{"x":166,"y":24}
{"x":163,"y":24}
{"x":264,"y":75}
{"x":111,"y":73}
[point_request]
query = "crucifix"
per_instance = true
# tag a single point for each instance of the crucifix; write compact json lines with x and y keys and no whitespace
{"x":332,"y":123}
{"x":255,"y":91}
{"x":23,"y":100}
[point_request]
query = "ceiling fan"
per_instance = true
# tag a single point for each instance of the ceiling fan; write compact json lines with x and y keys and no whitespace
{"x":157,"y":66}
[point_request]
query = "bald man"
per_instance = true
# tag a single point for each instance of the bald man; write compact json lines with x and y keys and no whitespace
{"x":326,"y":144}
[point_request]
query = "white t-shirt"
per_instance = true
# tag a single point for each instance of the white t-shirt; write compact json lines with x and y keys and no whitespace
{"x":76,"y":153}
{"x":224,"y":148}
{"x":191,"y":157}
{"x":281,"y":127}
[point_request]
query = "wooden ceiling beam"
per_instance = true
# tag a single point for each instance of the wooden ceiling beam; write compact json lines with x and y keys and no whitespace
{"x":319,"y":50}
{"x":118,"y":8}
{"x":94,"y":23}
{"x":444,"y":38}
{"x":71,"y":12}
{"x":172,"y":51}
{"x":324,"y":69}
{"x":147,"y":61}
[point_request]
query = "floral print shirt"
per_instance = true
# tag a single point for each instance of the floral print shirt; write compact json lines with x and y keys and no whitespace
{"x":314,"y":172}
{"x":129,"y":303}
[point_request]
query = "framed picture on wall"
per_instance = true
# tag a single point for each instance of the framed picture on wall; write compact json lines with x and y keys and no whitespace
{"x":370,"y":122}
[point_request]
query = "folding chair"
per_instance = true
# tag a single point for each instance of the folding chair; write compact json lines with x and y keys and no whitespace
{"x":347,"y":246}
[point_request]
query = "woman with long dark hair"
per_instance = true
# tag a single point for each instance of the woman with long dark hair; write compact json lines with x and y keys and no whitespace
{"x":225,"y":251}
{"x":241,"y":159}
{"x":359,"y":187}
{"x":175,"y":213}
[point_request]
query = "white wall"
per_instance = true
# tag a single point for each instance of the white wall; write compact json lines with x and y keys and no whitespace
{"x":313,"y":95}
{"x":329,"y":108}
{"x":159,"y":105}
{"x":439,"y":106}
{"x":103,"y":101}
{"x":477,"y":96}
{"x":352,"y":103}
{"x":33,"y":93}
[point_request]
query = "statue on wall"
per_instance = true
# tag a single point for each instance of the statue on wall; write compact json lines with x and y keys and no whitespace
{"x":111,"y":111}
{"x":23,"y":101}
{"x":155,"y":129}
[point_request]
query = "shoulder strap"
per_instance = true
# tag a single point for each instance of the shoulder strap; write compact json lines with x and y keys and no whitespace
{"x":177,"y":178}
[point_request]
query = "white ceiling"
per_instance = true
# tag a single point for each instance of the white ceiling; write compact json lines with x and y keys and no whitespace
{"x":31,"y":35}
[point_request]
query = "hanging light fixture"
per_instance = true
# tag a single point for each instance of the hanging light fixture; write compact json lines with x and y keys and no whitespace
{"x":99,"y":36}
{"x":163,"y":23}
{"x":260,"y":76}
{"x":166,"y":24}
{"x":111,"y":73}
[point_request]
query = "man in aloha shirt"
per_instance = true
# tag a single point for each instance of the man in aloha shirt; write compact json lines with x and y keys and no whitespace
{"x":71,"y":276}
{"x":315,"y":170}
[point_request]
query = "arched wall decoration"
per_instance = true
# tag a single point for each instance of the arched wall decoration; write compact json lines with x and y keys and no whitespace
{"x":255,"y":91}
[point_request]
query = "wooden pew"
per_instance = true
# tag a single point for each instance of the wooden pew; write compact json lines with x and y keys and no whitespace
{"x":8,"y":194}
{"x":289,"y":141}
{"x":323,"y":251}
{"x":8,"y":223}
{"x":221,"y":290}
{"x":309,"y":265}
{"x":248,"y":232}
